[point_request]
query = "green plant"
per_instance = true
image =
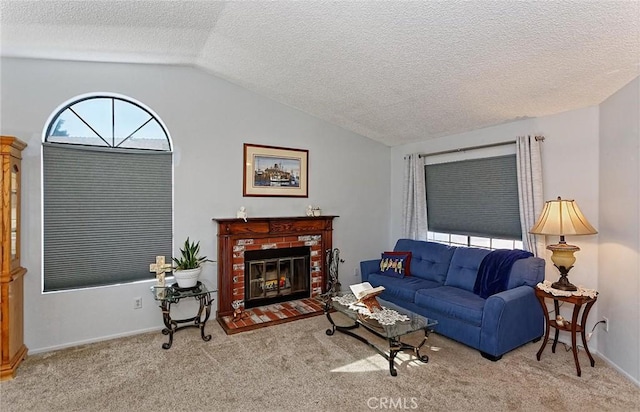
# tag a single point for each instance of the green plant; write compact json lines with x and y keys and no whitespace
{"x":190,"y":258}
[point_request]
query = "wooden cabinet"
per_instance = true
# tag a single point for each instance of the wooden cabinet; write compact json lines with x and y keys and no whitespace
{"x":12,"y":348}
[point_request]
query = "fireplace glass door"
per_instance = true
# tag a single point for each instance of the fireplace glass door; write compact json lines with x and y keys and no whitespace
{"x":276,"y":278}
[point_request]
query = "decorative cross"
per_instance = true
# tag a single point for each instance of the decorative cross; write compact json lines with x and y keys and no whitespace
{"x":160,"y":268}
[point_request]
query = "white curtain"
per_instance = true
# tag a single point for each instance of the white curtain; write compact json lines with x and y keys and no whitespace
{"x":530,"y":195}
{"x":414,"y":199}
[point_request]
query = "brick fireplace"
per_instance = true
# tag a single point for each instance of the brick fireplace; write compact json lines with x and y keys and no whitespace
{"x":235,"y":237}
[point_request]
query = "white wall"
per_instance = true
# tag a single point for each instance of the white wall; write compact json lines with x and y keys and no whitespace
{"x":619,"y":279}
{"x":209,"y":119}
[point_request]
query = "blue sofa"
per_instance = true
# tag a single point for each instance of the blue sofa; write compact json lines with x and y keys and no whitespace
{"x":441,"y":286}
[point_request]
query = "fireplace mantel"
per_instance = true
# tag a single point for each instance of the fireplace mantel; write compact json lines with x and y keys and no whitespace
{"x":273,"y":225}
{"x":235,"y":236}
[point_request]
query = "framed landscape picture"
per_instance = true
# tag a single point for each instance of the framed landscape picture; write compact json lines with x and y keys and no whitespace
{"x":275,"y":171}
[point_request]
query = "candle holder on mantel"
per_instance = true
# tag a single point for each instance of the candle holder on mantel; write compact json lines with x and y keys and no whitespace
{"x":242,"y":213}
{"x":313,"y":211}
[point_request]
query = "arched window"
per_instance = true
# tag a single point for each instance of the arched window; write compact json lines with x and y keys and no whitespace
{"x":107,"y":121}
{"x":107,"y":192}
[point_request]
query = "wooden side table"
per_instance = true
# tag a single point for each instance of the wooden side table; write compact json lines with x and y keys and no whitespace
{"x":574,"y":327}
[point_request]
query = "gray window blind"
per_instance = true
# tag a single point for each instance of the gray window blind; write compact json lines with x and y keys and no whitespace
{"x":476,"y":197}
{"x":107,"y":214}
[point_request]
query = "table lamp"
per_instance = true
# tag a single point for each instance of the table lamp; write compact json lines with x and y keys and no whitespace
{"x":562,"y":217}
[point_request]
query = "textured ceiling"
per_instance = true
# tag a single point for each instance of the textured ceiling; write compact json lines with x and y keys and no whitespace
{"x":396,"y":72}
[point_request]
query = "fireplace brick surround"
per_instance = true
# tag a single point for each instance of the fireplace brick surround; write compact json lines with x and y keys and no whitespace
{"x":235,"y":236}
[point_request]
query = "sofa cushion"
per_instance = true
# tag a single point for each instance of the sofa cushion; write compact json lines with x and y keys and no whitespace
{"x":452,"y":302}
{"x":398,"y":288}
{"x":529,"y":271}
{"x":464,"y":267}
{"x":429,"y":260}
{"x":396,"y":264}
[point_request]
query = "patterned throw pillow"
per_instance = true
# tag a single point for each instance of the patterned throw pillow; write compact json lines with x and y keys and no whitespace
{"x":396,"y":264}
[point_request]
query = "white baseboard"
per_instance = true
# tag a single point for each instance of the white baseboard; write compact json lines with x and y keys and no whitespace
{"x":93,"y":340}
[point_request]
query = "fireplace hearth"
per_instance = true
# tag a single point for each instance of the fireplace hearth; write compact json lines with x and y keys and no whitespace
{"x":256,"y":265}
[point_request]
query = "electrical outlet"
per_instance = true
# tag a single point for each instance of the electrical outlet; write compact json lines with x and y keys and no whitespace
{"x":606,"y":324}
{"x":137,"y":303}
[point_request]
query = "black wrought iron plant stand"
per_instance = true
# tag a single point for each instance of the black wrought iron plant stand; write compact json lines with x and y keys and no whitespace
{"x":173,"y":325}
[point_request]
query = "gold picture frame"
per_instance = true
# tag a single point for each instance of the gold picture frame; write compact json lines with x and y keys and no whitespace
{"x":275,"y":171}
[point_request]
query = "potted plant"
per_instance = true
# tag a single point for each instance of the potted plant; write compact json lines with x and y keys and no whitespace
{"x":188,"y":266}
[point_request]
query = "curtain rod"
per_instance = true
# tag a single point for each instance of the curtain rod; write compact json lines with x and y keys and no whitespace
{"x":484,"y":146}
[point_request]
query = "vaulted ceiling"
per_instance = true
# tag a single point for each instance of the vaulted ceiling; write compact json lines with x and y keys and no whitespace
{"x":393,"y":71}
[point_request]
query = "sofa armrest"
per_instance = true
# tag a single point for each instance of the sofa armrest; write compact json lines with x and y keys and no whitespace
{"x":367,"y":267}
{"x":510,"y":319}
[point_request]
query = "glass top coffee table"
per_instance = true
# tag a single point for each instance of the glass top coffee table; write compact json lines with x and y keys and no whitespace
{"x":391,"y":324}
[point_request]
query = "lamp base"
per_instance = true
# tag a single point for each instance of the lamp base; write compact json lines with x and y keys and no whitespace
{"x":563,"y":283}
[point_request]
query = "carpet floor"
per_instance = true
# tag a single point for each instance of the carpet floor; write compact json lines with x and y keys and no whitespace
{"x":296,"y":367}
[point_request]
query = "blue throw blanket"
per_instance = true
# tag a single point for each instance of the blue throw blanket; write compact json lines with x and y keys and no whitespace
{"x":494,"y":271}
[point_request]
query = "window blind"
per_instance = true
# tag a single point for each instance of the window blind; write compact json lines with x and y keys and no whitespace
{"x":107,"y":214}
{"x":477,"y":197}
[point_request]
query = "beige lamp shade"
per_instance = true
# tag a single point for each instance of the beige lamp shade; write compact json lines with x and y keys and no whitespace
{"x":562,"y":217}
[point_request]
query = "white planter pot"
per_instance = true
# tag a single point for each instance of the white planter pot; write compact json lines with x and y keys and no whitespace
{"x":187,"y":278}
